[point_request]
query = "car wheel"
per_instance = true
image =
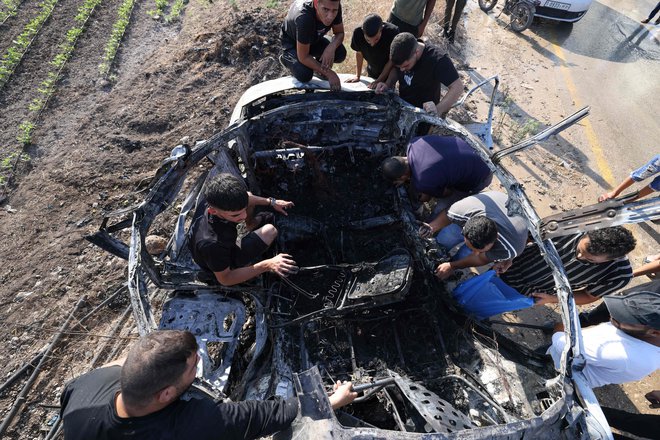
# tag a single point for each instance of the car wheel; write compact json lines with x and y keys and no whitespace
{"x":487,"y":5}
{"x":522,"y":16}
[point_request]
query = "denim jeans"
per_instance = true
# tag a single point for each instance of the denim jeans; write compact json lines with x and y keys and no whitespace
{"x":450,"y":236}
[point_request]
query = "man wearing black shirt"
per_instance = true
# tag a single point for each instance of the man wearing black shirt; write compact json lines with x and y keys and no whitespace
{"x":306,"y":50}
{"x":213,"y":242}
{"x":421,"y":69}
{"x":372,"y":42}
{"x":139,"y":398}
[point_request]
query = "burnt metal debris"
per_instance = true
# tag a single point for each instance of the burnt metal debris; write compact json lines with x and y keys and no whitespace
{"x":365,"y":305}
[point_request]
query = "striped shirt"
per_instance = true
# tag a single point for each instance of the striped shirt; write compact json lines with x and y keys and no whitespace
{"x":530,"y":273}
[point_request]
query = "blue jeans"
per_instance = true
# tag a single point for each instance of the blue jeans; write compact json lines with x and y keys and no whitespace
{"x":450,"y":236}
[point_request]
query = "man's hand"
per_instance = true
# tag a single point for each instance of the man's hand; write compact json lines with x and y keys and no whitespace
{"x":282,"y":265}
{"x":425,"y":230}
{"x":343,"y":394}
{"x":282,"y":205}
{"x":374,"y":84}
{"x":430,"y":107}
{"x":654,"y":398}
{"x":328,"y":57}
{"x":333,"y":79}
{"x":382,"y":87}
{"x":353,"y":79}
{"x":444,"y":271}
{"x":502,"y":266}
{"x":541,"y":298}
{"x":606,"y":196}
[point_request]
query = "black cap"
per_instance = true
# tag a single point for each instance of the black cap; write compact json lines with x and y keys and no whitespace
{"x":639,"y":305}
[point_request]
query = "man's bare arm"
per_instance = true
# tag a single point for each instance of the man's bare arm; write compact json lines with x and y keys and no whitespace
{"x":281,"y":264}
{"x":428,"y":10}
{"x":451,"y":97}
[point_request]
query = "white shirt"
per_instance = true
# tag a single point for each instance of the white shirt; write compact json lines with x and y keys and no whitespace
{"x":611,"y":355}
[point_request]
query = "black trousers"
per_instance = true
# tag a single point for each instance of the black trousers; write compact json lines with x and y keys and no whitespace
{"x":301,"y":72}
{"x":460,"y":4}
{"x":402,"y":25}
{"x":643,"y":425}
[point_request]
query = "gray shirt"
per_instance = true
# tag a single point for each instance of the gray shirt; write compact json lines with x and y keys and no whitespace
{"x":410,"y":11}
{"x":511,"y":231}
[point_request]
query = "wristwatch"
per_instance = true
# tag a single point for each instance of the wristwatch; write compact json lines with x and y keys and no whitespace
{"x":272,"y":201}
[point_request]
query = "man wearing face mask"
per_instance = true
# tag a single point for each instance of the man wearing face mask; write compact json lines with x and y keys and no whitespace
{"x":139,"y":397}
{"x":305,"y":49}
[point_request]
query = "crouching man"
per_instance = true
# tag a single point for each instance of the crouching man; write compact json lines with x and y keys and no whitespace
{"x":139,"y":398}
{"x":305,"y":48}
{"x":628,"y":347}
{"x":213,"y":242}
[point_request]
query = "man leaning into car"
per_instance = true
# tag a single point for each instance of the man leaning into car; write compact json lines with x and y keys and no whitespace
{"x":213,"y":241}
{"x":139,"y":398}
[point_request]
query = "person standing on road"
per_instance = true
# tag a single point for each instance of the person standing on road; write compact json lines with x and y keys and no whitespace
{"x":488,"y":233}
{"x":139,"y":398}
{"x":213,"y":241}
{"x":372,"y":42}
{"x":595,"y":264}
{"x":646,"y":171}
{"x":625,"y":349}
{"x":445,"y":168}
{"x":305,"y":48}
{"x":411,"y":15}
{"x":421,"y":69}
{"x":652,"y":14}
{"x":450,"y":32}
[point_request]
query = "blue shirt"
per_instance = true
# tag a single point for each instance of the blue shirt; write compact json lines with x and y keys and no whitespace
{"x":649,"y":169}
{"x":440,"y":162}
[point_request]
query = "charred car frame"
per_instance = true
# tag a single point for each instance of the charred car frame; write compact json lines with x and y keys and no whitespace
{"x":365,"y":306}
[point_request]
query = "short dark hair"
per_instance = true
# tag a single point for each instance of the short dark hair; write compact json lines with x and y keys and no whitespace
{"x":402,"y":48}
{"x":614,"y":242}
{"x":393,"y":167}
{"x":227,"y":192}
{"x":371,"y":25}
{"x":480,"y":231}
{"x":155,"y":361}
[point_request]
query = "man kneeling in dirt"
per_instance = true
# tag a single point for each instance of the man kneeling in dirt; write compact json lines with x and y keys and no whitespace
{"x":213,"y":241}
{"x":421,"y":69}
{"x":625,"y":349}
{"x":306,"y":50}
{"x":595,"y":264}
{"x":139,"y":398}
{"x":445,"y":168}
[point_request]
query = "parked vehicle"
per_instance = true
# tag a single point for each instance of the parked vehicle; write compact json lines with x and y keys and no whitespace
{"x":365,"y":304}
{"x":522,"y":12}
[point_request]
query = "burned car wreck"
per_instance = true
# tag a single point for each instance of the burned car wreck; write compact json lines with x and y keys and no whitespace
{"x":365,"y":305}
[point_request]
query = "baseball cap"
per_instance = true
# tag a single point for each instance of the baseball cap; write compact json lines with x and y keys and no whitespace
{"x":639,"y":305}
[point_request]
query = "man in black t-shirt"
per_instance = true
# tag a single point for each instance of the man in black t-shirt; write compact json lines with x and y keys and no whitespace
{"x":139,"y":398}
{"x":421,"y":69}
{"x":372,"y":42}
{"x":213,"y":242}
{"x":305,"y":48}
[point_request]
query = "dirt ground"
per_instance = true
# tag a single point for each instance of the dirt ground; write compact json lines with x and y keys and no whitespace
{"x":100,"y":140}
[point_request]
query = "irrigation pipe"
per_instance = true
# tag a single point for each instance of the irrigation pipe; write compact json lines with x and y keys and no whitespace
{"x":20,"y":372}
{"x":28,"y":385}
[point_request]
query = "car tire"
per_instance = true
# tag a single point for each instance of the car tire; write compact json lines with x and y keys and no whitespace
{"x":487,"y":5}
{"x":522,"y":16}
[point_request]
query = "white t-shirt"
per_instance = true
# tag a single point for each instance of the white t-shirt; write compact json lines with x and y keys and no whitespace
{"x":611,"y":355}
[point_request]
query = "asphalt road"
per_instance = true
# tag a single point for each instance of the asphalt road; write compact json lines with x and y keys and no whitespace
{"x":613,"y":62}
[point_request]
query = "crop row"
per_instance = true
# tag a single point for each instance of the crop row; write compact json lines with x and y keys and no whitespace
{"x":9,"y":9}
{"x":118,"y":30}
{"x":12,"y":58}
{"x":48,"y":86}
